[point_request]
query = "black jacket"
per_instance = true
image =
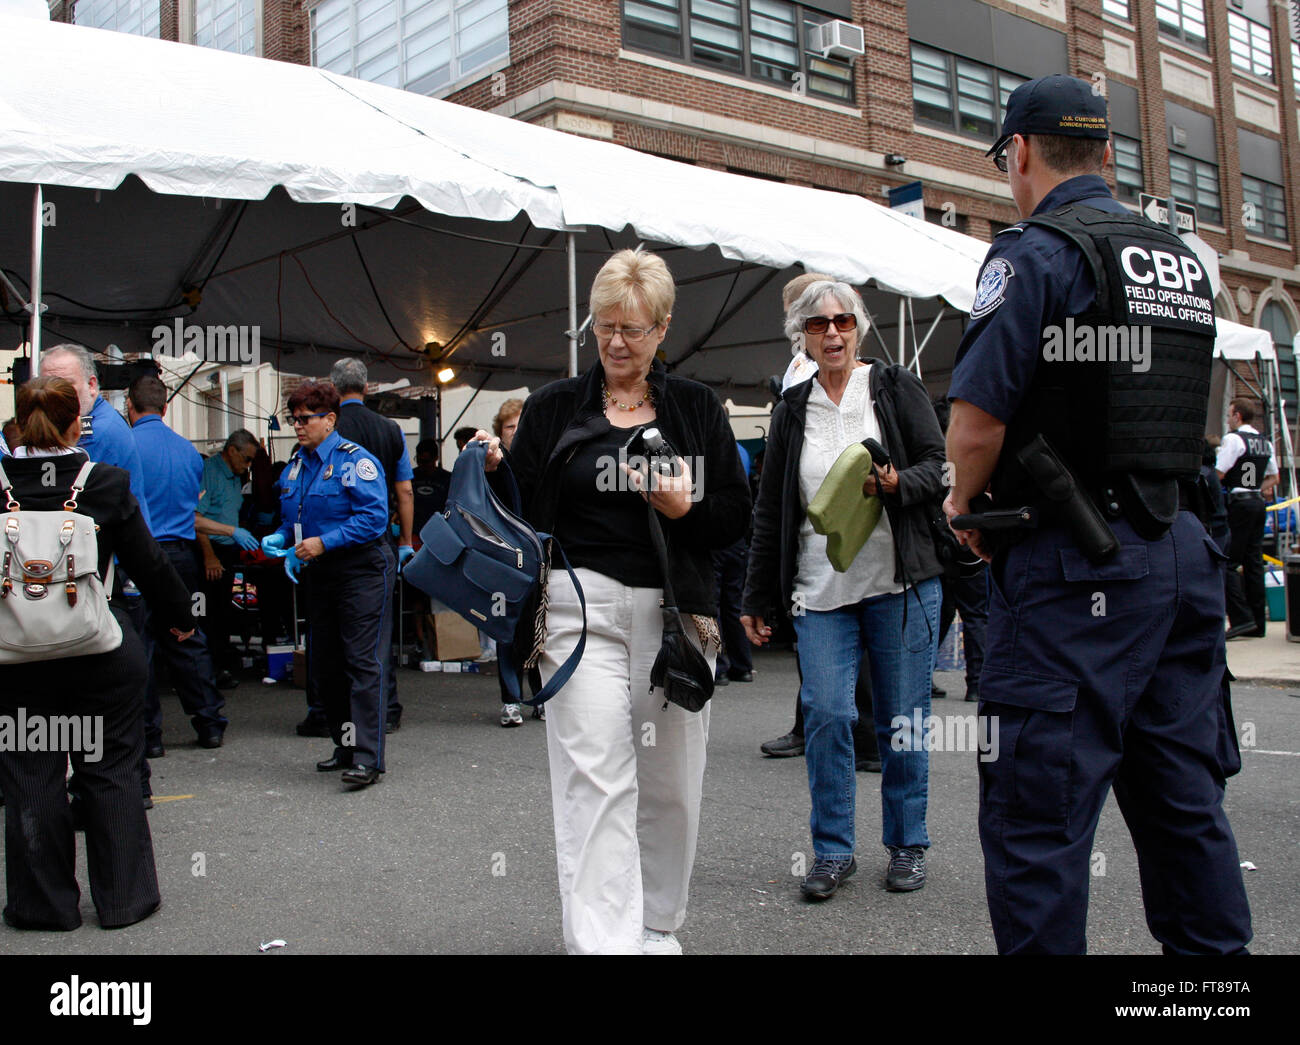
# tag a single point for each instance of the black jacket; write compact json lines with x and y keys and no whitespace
{"x":564,"y":414}
{"x":915,"y":443}
{"x":107,"y":499}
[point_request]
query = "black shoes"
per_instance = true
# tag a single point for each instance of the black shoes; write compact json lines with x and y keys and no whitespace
{"x":210,"y":738}
{"x":721,"y":680}
{"x":937,"y":692}
{"x":826,"y":877}
{"x":392,"y":725}
{"x":867,"y":765}
{"x":973,"y":695}
{"x":333,"y":764}
{"x":1250,"y":631}
{"x":360,"y":776}
{"x":226,"y":680}
{"x":788,"y":746}
{"x":312,"y":727}
{"x":740,"y":676}
{"x":906,"y":869}
{"x":156,"y":750}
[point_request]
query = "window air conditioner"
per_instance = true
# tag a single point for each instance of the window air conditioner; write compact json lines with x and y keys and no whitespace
{"x":838,"y":39}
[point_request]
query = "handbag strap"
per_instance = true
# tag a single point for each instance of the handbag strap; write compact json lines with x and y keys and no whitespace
{"x":511,"y":674}
{"x":7,"y":488}
{"x":661,"y":550}
{"x":477,"y":477}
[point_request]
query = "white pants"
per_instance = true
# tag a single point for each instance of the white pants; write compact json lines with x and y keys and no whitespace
{"x":626,"y":772}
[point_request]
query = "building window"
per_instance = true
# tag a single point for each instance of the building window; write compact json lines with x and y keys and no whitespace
{"x":1295,"y":67}
{"x":1197,"y":182}
{"x":1128,"y":167}
{"x":949,"y":219}
{"x":125,"y":16}
{"x":759,"y":39}
{"x":1273,"y":319}
{"x":957,"y":94}
{"x":228,"y":25}
{"x":1264,"y":213}
{"x":1118,"y":8}
{"x":1251,"y":45}
{"x":1183,"y":20}
{"x":418,"y":45}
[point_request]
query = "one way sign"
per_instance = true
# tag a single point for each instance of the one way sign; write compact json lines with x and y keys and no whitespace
{"x":1156,"y":209}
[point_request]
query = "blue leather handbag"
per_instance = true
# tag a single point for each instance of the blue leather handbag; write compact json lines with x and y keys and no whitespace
{"x":482,"y":560}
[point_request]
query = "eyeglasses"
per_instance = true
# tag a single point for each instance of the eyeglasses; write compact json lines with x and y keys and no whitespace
{"x":631,"y":335}
{"x":300,"y":420}
{"x":1000,"y":161}
{"x":820,"y":324}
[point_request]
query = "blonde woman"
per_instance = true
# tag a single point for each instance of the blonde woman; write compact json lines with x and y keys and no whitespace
{"x":626,"y":767}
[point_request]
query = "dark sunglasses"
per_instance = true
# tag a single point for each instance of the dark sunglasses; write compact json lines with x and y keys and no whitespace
{"x":820,"y":324}
{"x":300,"y":420}
{"x":1000,"y":161}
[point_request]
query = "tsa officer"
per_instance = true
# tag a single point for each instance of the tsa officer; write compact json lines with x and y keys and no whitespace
{"x":1104,"y":664}
{"x":334,"y":507}
{"x":172,"y":470}
{"x":1247,"y":466}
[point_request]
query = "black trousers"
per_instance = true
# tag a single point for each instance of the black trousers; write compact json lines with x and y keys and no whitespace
{"x":1244,"y":585}
{"x":970,"y":595}
{"x":40,"y":843}
{"x":729,"y":571}
{"x":865,"y":744}
{"x":189,"y":665}
{"x":350,"y":617}
{"x":220,"y":611}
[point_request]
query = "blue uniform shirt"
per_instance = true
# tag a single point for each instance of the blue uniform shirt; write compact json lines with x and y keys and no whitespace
{"x":337,"y":492}
{"x":1032,"y":277}
{"x":172,"y":471}
{"x":110,"y":441}
{"x":221,"y":495}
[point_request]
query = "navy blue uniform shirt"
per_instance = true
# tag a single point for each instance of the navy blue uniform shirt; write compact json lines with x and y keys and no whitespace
{"x":171,"y":470}
{"x":337,"y":492}
{"x":1032,"y":277}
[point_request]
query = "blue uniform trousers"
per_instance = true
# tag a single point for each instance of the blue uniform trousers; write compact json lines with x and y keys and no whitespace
{"x":1101,"y":676}
{"x":350,"y":601}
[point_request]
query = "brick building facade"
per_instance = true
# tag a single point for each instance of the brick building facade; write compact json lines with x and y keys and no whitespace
{"x":1203,"y":95}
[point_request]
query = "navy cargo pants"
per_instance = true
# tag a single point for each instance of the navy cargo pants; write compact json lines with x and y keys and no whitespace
{"x":1101,"y":676}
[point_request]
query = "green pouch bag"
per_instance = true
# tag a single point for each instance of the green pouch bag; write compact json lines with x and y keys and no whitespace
{"x":840,"y":512}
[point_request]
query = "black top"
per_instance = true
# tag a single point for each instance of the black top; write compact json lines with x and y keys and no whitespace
{"x":565,"y":414}
{"x":430,"y":495}
{"x":108,"y":500}
{"x":604,"y":524}
{"x":380,"y":435}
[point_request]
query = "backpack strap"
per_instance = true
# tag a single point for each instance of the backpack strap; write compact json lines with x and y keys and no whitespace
{"x":7,"y":488}
{"x":511,"y":673}
{"x":78,"y":484}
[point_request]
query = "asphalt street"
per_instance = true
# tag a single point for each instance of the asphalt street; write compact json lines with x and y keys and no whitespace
{"x":452,"y":852}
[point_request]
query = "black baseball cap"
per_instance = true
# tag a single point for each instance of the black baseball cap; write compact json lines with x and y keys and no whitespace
{"x":1060,"y":105}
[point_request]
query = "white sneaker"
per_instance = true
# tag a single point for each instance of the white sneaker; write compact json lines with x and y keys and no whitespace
{"x":655,"y":942}
{"x":486,"y":657}
{"x":510,"y":715}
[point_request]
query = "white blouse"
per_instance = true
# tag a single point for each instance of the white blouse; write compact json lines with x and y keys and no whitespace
{"x":828,"y":431}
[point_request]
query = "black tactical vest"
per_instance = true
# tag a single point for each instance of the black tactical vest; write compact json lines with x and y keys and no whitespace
{"x":1248,"y":472}
{"x":1122,"y":389}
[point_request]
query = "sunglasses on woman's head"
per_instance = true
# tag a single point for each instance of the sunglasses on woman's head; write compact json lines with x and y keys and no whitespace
{"x":820,"y":324}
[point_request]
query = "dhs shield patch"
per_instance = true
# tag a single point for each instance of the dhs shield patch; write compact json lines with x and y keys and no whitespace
{"x":992,"y":290}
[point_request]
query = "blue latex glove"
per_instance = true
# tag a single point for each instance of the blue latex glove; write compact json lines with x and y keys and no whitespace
{"x":404,"y":555}
{"x":245,"y":539}
{"x":292,"y":566}
{"x":273,"y":545}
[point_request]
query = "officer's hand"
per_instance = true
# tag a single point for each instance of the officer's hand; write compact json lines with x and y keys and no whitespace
{"x":404,"y":555}
{"x":756,"y":630}
{"x":273,"y":545}
{"x":245,"y":539}
{"x":888,"y":481}
{"x":181,"y":636}
{"x":212,"y":568}
{"x":970,"y":538}
{"x":309,"y":549}
{"x":292,"y":567}
{"x":494,"y":454}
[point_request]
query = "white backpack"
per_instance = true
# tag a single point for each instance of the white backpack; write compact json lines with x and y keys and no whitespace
{"x":52,"y":602}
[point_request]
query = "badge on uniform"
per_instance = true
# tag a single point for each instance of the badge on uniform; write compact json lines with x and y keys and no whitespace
{"x":992,"y":289}
{"x":329,"y":470}
{"x":366,"y":469}
{"x":293,"y":472}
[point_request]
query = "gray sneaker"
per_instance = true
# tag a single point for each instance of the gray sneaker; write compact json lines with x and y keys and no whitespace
{"x":510,"y":715}
{"x":906,"y":869}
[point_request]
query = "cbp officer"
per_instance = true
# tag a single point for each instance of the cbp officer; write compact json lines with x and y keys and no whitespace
{"x":335,"y":511}
{"x":1247,"y":466}
{"x":1104,"y":663}
{"x":383,"y":438}
{"x":172,"y":470}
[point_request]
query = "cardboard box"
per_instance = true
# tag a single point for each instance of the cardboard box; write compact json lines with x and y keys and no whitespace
{"x":454,"y":638}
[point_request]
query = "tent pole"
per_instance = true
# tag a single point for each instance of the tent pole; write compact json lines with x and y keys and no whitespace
{"x":571,"y":243}
{"x":38,"y":206}
{"x":926,"y":340}
{"x":902,"y":330}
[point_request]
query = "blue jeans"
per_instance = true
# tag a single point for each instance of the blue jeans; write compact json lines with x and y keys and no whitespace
{"x":902,"y":661}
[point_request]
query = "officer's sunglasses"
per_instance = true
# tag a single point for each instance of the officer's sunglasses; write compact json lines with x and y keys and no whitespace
{"x":1000,"y":161}
{"x":300,"y":420}
{"x":820,"y":324}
